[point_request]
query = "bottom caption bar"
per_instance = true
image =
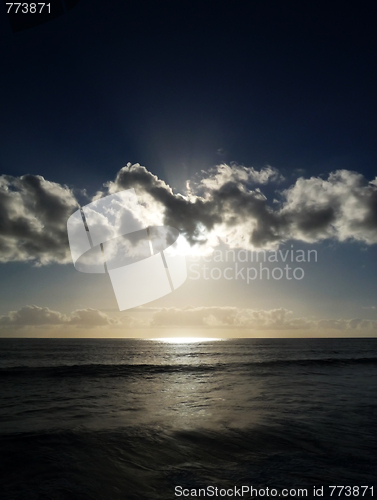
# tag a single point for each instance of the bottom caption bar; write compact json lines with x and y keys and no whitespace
{"x":256,"y":492}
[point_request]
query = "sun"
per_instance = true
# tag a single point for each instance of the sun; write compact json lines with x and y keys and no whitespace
{"x":186,"y":340}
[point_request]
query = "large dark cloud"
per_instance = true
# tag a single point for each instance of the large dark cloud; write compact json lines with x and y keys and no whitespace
{"x":227,"y":201}
{"x":33,"y":219}
{"x":226,"y":204}
{"x":343,"y":207}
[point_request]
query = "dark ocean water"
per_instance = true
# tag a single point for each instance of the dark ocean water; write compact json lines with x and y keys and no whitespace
{"x":133,"y":419}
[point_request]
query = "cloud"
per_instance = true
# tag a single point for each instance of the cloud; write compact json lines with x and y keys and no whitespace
{"x":230,"y":317}
{"x":33,"y":316}
{"x":90,"y":318}
{"x":237,"y":205}
{"x":33,"y":222}
{"x":203,"y":318}
{"x":43,"y":316}
{"x":250,"y":319}
{"x":227,"y":204}
{"x":223,"y":174}
{"x":343,"y":207}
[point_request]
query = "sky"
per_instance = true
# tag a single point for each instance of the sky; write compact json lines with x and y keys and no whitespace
{"x":248,"y":126}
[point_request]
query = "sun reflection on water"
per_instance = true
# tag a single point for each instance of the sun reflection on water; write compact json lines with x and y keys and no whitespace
{"x":186,"y":340}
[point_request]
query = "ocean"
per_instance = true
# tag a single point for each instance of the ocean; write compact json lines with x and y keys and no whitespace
{"x":111,"y":419}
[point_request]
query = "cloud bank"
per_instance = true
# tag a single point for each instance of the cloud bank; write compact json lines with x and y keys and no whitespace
{"x":34,"y":316}
{"x":231,"y":317}
{"x":250,"y":319}
{"x":240,"y":321}
{"x":226,"y":204}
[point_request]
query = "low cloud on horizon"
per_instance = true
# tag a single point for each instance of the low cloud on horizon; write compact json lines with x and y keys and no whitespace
{"x":242,"y":320}
{"x":32,"y":316}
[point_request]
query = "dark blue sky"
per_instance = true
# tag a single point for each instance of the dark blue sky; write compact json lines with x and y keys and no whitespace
{"x":168,"y":84}
{"x":181,"y":87}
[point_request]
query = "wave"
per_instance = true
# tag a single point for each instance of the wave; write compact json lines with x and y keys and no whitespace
{"x":124,"y":370}
{"x":138,"y":462}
